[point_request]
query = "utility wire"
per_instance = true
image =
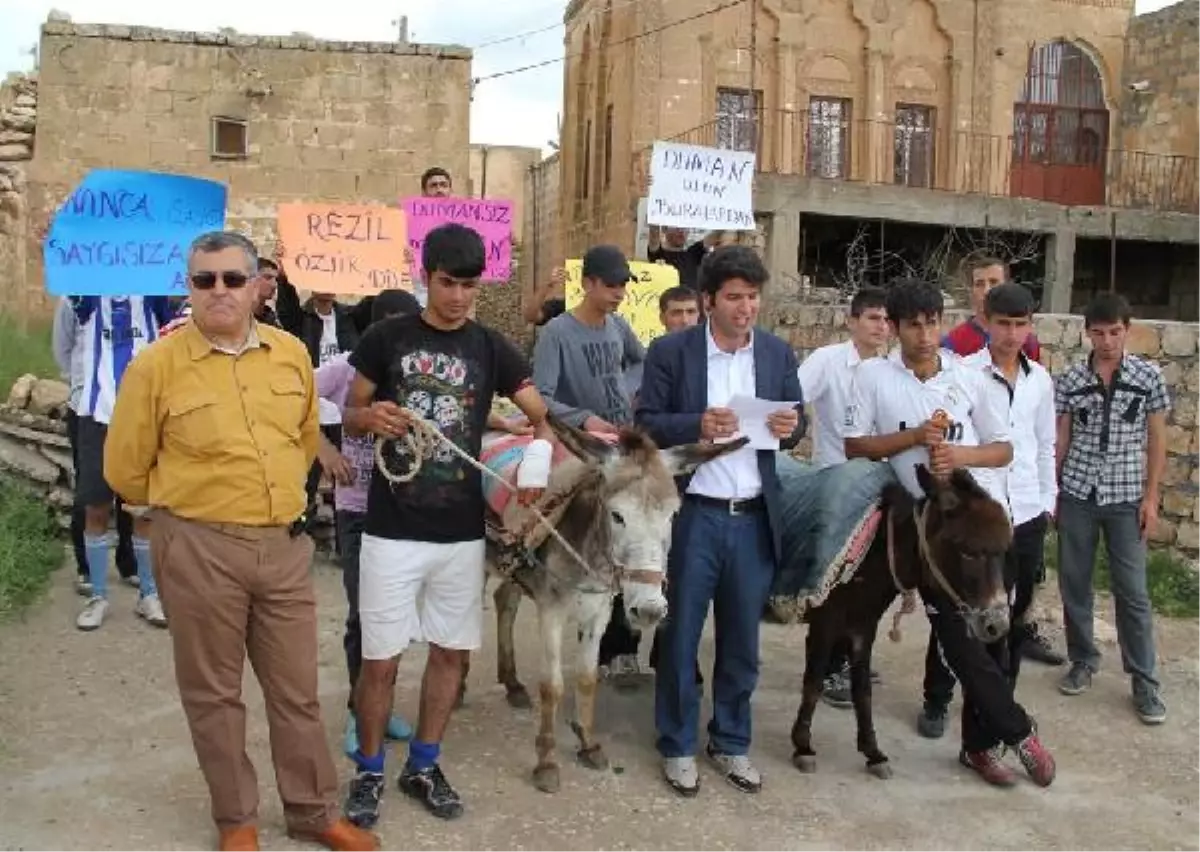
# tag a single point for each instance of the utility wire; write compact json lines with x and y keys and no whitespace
{"x":627,"y":40}
{"x":518,"y":36}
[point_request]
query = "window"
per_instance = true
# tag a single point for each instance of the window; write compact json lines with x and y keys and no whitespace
{"x":737,"y":119}
{"x":587,"y":156}
{"x":829,"y":137}
{"x":913,"y":145}
{"x":229,"y":138}
{"x":608,"y":142}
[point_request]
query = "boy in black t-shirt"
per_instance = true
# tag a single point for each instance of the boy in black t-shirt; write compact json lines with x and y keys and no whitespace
{"x":422,"y":557}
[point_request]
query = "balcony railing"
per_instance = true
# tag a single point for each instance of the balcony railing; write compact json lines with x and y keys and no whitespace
{"x":882,"y":153}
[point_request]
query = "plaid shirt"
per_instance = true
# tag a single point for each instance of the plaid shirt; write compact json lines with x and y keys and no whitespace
{"x":1106,"y":453}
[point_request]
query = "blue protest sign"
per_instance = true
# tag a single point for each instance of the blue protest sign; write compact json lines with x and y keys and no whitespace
{"x":126,"y":233}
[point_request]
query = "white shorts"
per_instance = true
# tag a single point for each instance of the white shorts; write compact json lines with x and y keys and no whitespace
{"x":414,"y":591}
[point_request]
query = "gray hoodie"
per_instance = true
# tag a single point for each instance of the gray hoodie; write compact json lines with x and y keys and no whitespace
{"x":581,"y":370}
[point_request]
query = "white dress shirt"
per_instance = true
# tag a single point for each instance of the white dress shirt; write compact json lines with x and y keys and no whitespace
{"x":734,"y":476}
{"x":889,"y":398}
{"x":1029,"y":481}
{"x":827,"y":377}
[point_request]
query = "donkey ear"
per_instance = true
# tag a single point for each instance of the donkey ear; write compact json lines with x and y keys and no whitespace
{"x":579,"y":443}
{"x":927,"y":482}
{"x":684,"y":459}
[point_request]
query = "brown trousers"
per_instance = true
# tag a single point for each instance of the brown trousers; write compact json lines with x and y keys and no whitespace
{"x":231,"y":591}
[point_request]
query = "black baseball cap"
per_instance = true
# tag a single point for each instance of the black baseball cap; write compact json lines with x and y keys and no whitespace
{"x":607,"y":263}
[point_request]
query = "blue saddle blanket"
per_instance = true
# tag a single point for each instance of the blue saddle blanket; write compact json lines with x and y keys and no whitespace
{"x":829,"y":521}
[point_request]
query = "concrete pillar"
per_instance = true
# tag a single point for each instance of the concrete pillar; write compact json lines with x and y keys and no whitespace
{"x":1060,"y":271}
{"x":783,"y":257}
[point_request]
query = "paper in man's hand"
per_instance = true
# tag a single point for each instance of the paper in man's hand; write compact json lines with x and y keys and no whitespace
{"x":752,"y":419}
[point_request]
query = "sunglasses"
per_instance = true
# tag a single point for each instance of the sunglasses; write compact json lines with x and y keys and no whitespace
{"x":208,"y":280}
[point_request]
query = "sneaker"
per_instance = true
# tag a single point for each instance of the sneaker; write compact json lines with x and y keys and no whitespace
{"x":1036,"y":759}
{"x":93,"y":614}
{"x":362,"y":800}
{"x":836,"y":692}
{"x":1037,"y":647}
{"x":990,"y":766}
{"x":350,"y":736}
{"x":83,"y":587}
{"x":398,"y":729}
{"x":737,"y":768}
{"x":682,"y":775}
{"x":1077,"y":680}
{"x":430,"y":787}
{"x":133,"y":581}
{"x":931,"y":724}
{"x":150,"y":608}
{"x":628,"y":665}
{"x":1148,"y":705}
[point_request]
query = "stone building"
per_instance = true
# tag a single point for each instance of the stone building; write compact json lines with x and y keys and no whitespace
{"x":502,"y":171}
{"x":543,"y":245}
{"x":911,"y":131}
{"x":1160,"y":81}
{"x":274,"y":118}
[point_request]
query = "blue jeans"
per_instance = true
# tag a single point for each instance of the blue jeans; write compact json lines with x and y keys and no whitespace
{"x":1080,"y":523}
{"x":727,"y":561}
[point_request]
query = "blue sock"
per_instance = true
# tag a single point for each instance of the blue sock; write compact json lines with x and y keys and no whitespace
{"x":422,"y":755}
{"x":95,"y":548}
{"x":141,"y":555}
{"x":374,"y":763}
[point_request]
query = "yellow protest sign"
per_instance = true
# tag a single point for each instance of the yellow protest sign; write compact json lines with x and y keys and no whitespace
{"x":344,"y":248}
{"x":640,"y":307}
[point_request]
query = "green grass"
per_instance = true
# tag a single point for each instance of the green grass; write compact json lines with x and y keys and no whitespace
{"x":1173,"y":585}
{"x":30,"y":549}
{"x":24,"y":348}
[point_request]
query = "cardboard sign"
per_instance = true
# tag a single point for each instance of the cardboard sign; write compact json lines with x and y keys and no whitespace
{"x":696,"y":187}
{"x":344,"y":248}
{"x":489,"y":217}
{"x":640,"y":307}
{"x":127,"y":233}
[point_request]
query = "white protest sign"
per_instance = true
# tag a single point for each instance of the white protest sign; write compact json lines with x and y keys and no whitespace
{"x":641,"y":240}
{"x":696,"y":187}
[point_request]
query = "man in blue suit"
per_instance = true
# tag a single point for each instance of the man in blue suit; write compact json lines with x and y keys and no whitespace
{"x":726,"y":540}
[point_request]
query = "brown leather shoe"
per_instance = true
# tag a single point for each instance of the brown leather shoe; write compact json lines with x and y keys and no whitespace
{"x":341,"y":836}
{"x":244,"y":838}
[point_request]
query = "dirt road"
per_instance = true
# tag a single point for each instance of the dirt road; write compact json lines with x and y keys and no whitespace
{"x":94,"y":754}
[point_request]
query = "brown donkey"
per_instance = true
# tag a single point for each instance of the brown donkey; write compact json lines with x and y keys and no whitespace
{"x":953,"y":540}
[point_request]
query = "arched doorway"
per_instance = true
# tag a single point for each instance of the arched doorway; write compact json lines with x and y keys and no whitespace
{"x":1060,"y":128}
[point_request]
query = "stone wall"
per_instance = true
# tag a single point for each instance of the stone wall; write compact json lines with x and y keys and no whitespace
{"x":1161,"y":81}
{"x":18,"y":112}
{"x":1172,"y":345}
{"x":325,"y":120}
{"x":34,"y":450}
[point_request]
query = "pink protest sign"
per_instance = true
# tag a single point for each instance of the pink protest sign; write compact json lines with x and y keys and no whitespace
{"x":490,"y":218}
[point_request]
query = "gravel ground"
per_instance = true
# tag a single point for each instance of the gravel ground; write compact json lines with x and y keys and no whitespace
{"x":94,"y":754}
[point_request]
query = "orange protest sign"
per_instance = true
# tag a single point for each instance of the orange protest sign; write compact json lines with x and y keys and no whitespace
{"x":344,"y":248}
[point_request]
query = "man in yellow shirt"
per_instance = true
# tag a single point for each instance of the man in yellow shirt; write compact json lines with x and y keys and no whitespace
{"x":214,"y":430}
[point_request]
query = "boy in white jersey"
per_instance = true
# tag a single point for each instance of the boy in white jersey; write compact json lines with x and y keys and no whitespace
{"x":826,"y":377}
{"x":1030,"y":484}
{"x":113,"y":329}
{"x":922,"y":405}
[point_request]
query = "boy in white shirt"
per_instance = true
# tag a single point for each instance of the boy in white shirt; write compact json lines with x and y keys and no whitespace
{"x":1026,"y":389}
{"x":894,"y":413}
{"x":826,"y":377}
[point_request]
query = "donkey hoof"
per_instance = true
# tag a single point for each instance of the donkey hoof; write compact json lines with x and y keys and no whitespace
{"x":881,"y":770}
{"x":805,"y":762}
{"x":518,"y":697}
{"x":593,"y":758}
{"x":546,"y":779}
